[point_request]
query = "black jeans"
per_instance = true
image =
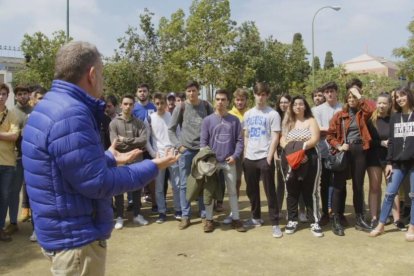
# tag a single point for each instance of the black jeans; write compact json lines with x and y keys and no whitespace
{"x":254,"y":170}
{"x":136,"y":203}
{"x":356,"y":167}
{"x":305,"y":181}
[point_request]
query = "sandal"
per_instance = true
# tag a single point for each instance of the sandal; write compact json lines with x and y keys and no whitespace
{"x":375,"y":233}
{"x":409,"y":237}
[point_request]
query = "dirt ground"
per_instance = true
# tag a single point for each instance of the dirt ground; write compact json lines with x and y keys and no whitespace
{"x":164,"y":250}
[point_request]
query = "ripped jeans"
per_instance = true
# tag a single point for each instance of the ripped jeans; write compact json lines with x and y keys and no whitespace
{"x":394,"y":184}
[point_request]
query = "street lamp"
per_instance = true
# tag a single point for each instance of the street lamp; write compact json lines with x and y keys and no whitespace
{"x":67,"y":20}
{"x":336,"y":8}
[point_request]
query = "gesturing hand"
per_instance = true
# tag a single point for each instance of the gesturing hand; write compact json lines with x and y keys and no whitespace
{"x":168,"y":159}
{"x":126,"y":157}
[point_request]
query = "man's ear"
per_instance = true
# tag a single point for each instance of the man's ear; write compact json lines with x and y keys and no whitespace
{"x":92,"y":75}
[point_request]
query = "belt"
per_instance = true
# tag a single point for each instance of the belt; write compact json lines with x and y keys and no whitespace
{"x":51,"y":253}
{"x":355,"y":141}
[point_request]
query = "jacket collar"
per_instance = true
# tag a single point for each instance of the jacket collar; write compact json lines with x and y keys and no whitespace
{"x":96,"y":106}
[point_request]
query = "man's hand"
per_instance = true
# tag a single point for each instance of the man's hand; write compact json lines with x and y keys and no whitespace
{"x":230,"y":160}
{"x":166,"y":161}
{"x":123,"y":158}
{"x":388,"y":171}
{"x":344,"y":147}
{"x":384,"y":143}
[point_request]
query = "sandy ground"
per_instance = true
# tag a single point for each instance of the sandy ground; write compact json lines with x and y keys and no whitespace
{"x":165,"y":250}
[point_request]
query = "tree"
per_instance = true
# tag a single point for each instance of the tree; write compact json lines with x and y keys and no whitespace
{"x":241,"y":63}
{"x":316,"y":63}
{"x":140,"y":50}
{"x":210,"y":35}
{"x":40,"y":52}
{"x":329,"y":62}
{"x":121,"y":77}
{"x":298,"y":65}
{"x":407,"y":54}
{"x":173,"y":72}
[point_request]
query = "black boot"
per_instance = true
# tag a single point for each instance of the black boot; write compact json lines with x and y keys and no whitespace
{"x":361,"y":224}
{"x":337,"y":227}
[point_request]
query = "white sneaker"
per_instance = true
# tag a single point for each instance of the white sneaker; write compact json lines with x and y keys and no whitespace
{"x":291,"y":227}
{"x":119,"y":223}
{"x":140,"y":220}
{"x":33,"y":237}
{"x":303,"y":217}
{"x":276,"y":232}
{"x":228,"y":219}
{"x":316,"y":230}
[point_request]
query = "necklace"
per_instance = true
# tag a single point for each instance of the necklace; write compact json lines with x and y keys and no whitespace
{"x":404,"y":132}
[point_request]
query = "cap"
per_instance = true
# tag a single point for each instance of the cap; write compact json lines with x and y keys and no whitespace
{"x":171,"y":94}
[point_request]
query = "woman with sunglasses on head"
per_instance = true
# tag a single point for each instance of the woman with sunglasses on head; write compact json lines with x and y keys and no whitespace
{"x":348,"y":132}
{"x":282,"y":106}
{"x":379,"y":128}
{"x":299,"y":125}
{"x":400,"y":158}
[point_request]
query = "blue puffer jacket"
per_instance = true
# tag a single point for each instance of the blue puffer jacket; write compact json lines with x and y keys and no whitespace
{"x":70,"y":179}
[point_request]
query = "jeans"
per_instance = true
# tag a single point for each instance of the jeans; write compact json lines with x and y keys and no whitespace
{"x":14,"y":192}
{"x":174,"y":173}
{"x":230,"y":177}
{"x":184,"y":164}
{"x":394,"y":184}
{"x":6,"y":180}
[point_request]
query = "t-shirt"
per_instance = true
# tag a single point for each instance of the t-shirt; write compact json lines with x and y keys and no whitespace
{"x":9,"y":124}
{"x":142,"y":112}
{"x":259,"y":125}
{"x":159,"y":132}
{"x":323,"y":114}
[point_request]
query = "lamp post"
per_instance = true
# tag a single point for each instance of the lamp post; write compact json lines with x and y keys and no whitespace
{"x":336,"y":8}
{"x":67,"y":20}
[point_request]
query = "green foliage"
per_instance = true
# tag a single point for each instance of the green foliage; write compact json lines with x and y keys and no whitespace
{"x":407,"y":54}
{"x":40,"y":51}
{"x":329,"y":62}
{"x":121,"y":77}
{"x":317,"y":63}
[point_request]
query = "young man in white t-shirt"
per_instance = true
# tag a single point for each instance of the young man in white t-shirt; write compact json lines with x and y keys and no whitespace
{"x":262,"y":130}
{"x":160,"y":144}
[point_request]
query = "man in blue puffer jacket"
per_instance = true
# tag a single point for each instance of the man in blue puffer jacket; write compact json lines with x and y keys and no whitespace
{"x":70,"y":179}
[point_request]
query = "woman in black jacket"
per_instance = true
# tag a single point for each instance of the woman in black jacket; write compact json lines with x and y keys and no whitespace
{"x":400,"y":157}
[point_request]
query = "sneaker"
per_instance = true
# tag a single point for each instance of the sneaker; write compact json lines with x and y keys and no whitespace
{"x":303,"y":217}
{"x":228,"y":219}
{"x":316,"y":230}
{"x":11,"y":229}
{"x":291,"y":227}
{"x":276,"y":232}
{"x":25,"y":216}
{"x":400,"y":225}
{"x":4,"y":237}
{"x":119,"y":223}
{"x":139,"y":219}
{"x":253,"y":222}
{"x":33,"y":237}
{"x":161,"y":218}
{"x":185,"y":222}
{"x":238,"y":225}
{"x":209,"y":226}
{"x":178,"y":215}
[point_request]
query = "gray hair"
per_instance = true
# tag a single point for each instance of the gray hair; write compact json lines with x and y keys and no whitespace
{"x":74,"y":59}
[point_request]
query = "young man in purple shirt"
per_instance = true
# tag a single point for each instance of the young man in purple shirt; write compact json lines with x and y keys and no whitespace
{"x":222,"y":132}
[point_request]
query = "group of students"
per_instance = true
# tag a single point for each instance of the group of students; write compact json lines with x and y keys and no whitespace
{"x":12,"y":122}
{"x":257,"y":142}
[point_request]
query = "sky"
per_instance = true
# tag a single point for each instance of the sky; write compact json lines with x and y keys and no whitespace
{"x":375,"y":27}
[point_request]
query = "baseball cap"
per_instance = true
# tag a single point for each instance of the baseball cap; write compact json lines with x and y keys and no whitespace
{"x":171,"y":94}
